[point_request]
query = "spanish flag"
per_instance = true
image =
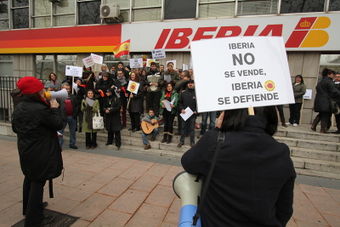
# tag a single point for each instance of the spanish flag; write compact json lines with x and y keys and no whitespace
{"x":122,"y":49}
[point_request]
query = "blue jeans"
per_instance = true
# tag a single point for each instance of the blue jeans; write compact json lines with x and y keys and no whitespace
{"x":145,"y":136}
{"x":204,"y":124}
{"x":72,"y":125}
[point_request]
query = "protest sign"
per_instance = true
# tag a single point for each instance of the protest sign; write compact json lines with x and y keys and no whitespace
{"x":246,"y":72}
{"x":97,"y":59}
{"x":158,"y":54}
{"x":173,"y":61}
{"x":149,"y":61}
{"x":185,"y":67}
{"x":75,"y":71}
{"x":308,"y":94}
{"x":133,"y":87}
{"x":136,"y":63}
{"x":88,"y":61}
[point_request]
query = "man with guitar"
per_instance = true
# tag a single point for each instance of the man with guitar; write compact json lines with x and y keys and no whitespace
{"x":149,"y":126}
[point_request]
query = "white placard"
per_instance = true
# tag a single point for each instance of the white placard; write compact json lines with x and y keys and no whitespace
{"x":247,"y":72}
{"x":308,"y":94}
{"x":88,"y":61}
{"x":187,"y":114}
{"x":158,"y":54}
{"x":75,"y":71}
{"x":167,"y":105}
{"x":173,"y":61}
{"x":136,"y":63}
{"x":133,"y":87}
{"x":97,"y":59}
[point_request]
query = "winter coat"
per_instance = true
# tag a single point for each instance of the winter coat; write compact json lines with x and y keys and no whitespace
{"x":36,"y":126}
{"x":89,"y":112}
{"x":325,"y":90}
{"x":253,"y":179}
{"x":136,"y":102}
{"x":173,"y":76}
{"x":299,"y":90}
{"x":112,"y":119}
{"x":175,"y":97}
{"x":75,"y":104}
{"x":187,"y":99}
{"x":337,"y":86}
{"x":104,"y":85}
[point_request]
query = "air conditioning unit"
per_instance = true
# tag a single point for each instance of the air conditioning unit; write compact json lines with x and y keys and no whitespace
{"x":110,"y":9}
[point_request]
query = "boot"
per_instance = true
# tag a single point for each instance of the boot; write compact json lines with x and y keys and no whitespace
{"x":165,"y":137}
{"x":169,"y":139}
{"x":315,"y":123}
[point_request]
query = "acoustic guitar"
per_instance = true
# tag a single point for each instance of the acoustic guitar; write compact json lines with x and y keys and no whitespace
{"x":147,"y":127}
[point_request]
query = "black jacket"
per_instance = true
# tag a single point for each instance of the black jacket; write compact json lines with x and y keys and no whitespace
{"x":253,"y":180}
{"x":136,"y":102}
{"x":187,"y":99}
{"x":325,"y":91}
{"x":112,"y":119}
{"x":337,"y":86}
{"x":36,"y":127}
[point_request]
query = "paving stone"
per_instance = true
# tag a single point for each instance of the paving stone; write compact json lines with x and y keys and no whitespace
{"x":111,"y":218}
{"x":146,"y":183}
{"x":158,"y":170}
{"x":116,"y":187}
{"x":11,"y":215}
{"x":61,"y":204}
{"x":161,"y":196}
{"x":325,"y":204}
{"x":81,"y":223}
{"x":334,"y":221}
{"x":129,"y":202}
{"x":134,"y":172}
{"x":148,"y":215}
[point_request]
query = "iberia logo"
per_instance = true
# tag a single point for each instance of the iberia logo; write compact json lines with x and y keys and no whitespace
{"x":269,"y":85}
{"x":309,"y":33}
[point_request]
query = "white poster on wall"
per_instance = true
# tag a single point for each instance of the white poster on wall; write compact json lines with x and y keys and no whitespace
{"x":75,"y":71}
{"x":308,"y":94}
{"x":136,"y":63}
{"x":247,"y":72}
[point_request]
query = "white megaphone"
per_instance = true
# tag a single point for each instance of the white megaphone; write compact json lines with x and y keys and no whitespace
{"x":188,"y":188}
{"x":62,"y":94}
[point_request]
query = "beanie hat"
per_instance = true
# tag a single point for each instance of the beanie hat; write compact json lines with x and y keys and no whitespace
{"x":29,"y":85}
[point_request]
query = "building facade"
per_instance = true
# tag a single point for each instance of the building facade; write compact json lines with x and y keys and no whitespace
{"x":42,"y":36}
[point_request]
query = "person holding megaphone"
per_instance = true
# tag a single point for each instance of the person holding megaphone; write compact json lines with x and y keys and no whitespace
{"x":252,"y":175}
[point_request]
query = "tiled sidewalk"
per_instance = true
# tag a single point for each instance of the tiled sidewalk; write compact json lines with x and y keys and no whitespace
{"x":111,"y":191}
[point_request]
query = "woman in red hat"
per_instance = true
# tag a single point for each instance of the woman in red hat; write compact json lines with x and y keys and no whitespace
{"x":36,"y":122}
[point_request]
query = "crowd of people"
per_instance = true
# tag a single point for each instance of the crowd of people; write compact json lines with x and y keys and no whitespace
{"x":164,"y":93}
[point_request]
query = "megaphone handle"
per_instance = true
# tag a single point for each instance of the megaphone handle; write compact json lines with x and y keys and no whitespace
{"x":220,"y":140}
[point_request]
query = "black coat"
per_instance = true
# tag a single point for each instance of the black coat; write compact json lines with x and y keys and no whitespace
{"x":337,"y":86}
{"x":112,"y":119}
{"x":104,"y":85}
{"x":325,"y":90}
{"x":136,"y":102}
{"x":187,"y":99}
{"x":36,"y":127}
{"x":253,"y":180}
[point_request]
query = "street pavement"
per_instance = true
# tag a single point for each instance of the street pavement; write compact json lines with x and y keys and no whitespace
{"x":105,"y":188}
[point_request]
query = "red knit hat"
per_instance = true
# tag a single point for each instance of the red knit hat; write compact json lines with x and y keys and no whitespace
{"x":29,"y":85}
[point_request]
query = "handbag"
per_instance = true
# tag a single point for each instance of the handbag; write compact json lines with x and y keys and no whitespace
{"x":97,"y":121}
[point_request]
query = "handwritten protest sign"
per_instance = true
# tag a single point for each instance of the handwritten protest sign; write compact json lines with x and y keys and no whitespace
{"x":247,"y":72}
{"x":75,"y":71}
{"x":158,"y":54}
{"x":88,"y":61}
{"x":133,"y":87}
{"x":97,"y":59}
{"x":136,"y":63}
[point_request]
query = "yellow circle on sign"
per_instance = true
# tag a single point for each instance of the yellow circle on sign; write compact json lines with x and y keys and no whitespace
{"x":133,"y":87}
{"x":269,"y":85}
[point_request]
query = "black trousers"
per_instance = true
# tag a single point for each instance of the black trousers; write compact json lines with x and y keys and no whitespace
{"x":115,"y":135}
{"x":179,"y":121}
{"x":281,"y":114}
{"x":325,"y":118}
{"x":168,"y":121}
{"x":188,"y":128}
{"x":295,"y":110}
{"x":153,"y":100}
{"x":33,"y":192}
{"x":337,"y":119}
{"x":135,"y":120}
{"x":91,"y":139}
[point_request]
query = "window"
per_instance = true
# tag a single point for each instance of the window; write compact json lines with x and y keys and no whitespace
{"x":4,"y":14}
{"x":6,"y":65}
{"x":64,"y":13}
{"x":256,"y":7}
{"x":334,"y":5}
{"x":146,"y":10}
{"x":44,"y":65}
{"x":62,"y":61}
{"x":288,"y":6}
{"x":42,"y":14}
{"x":177,"y":9}
{"x":89,"y":12}
{"x":216,"y":8}
{"x":124,"y":6}
{"x":20,"y":13}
